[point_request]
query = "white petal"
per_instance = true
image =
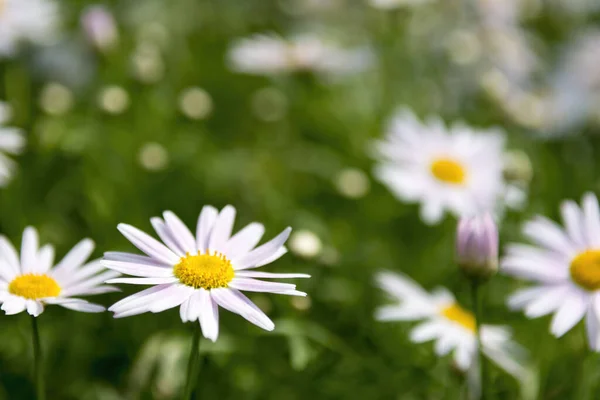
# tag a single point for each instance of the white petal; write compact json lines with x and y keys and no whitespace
{"x":209,"y":316}
{"x":592,"y":219}
{"x":34,"y":308}
{"x":134,"y":258}
{"x":427,"y":331}
{"x":148,"y":244}
{"x":268,"y":275}
{"x":244,"y":241}
{"x":13,"y":305}
{"x":592,"y":324}
{"x":464,"y":356}
{"x":80,"y":274}
{"x":143,"y":281}
{"x":280,"y":252}
{"x":74,"y":258}
{"x":180,"y":232}
{"x":12,"y":140}
{"x":432,"y":211}
{"x":171,"y":298}
{"x":547,"y":301}
{"x":400,"y":313}
{"x":139,"y":298}
{"x":254,"y":285}
{"x":142,"y":270}
{"x":570,"y":312}
{"x":234,"y":301}
{"x":522,"y":297}
{"x":45,"y":259}
{"x":548,"y":234}
{"x":29,"y":249}
{"x":574,"y":223}
{"x":529,"y":268}
{"x":444,"y":345}
{"x":206,"y":221}
{"x":222,"y":229}
{"x":184,"y":310}
{"x":81,"y":305}
{"x":166,"y":236}
{"x":79,"y":290}
{"x":10,"y":256}
{"x":263,"y":252}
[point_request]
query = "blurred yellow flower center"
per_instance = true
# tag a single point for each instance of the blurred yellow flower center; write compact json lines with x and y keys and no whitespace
{"x":585,"y":269}
{"x":34,"y":286}
{"x":2,"y":6}
{"x":448,"y":171}
{"x":456,"y":313}
{"x":204,"y":271}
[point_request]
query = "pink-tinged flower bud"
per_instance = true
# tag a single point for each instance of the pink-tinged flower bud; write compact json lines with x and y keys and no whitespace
{"x":477,"y":246}
{"x":100,"y":27}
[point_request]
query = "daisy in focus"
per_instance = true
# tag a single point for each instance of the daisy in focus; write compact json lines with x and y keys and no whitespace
{"x":30,"y":281}
{"x":451,"y":327}
{"x":12,"y":141}
{"x":272,"y":55}
{"x":564,"y":263}
{"x":34,"y":21}
{"x":456,"y":169}
{"x":202,"y":272}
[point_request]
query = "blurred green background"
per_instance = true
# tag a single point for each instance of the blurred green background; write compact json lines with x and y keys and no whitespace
{"x":285,"y":150}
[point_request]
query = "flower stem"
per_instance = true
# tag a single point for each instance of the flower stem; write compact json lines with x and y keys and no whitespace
{"x":37,"y":354}
{"x":193,"y":364}
{"x":477,"y":302}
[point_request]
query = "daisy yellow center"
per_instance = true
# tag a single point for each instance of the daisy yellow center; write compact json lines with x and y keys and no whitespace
{"x":34,"y":286}
{"x":456,"y":313}
{"x":585,"y":269}
{"x":448,"y":170}
{"x":204,"y":271}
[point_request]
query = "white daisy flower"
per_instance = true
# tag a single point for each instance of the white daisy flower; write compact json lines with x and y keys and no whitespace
{"x":457,"y":169}
{"x":30,"y":282}
{"x":451,"y":327}
{"x":565,"y":265}
{"x":26,"y":20}
{"x":200,"y":273}
{"x":12,"y":141}
{"x":271,"y":55}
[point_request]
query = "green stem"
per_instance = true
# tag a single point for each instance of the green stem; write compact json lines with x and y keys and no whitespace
{"x":37,"y":354}
{"x":478,"y":313}
{"x":193,"y":364}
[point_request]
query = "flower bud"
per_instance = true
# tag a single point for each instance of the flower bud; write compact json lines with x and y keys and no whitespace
{"x":100,"y":27}
{"x":477,"y":246}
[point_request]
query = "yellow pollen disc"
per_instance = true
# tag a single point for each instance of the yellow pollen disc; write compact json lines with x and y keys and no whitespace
{"x":34,"y":286}
{"x":448,"y":171}
{"x":585,"y":269}
{"x":459,"y":315}
{"x":204,"y":271}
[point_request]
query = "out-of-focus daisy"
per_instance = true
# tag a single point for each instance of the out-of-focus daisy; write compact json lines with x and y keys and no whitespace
{"x":457,"y":169}
{"x":199,"y":273}
{"x":271,"y":54}
{"x":391,"y":4}
{"x":33,"y":21}
{"x":12,"y":141}
{"x":565,"y":265}
{"x":451,"y":327}
{"x":30,"y":282}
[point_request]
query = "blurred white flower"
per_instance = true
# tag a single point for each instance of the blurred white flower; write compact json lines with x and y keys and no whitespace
{"x":457,"y":169}
{"x":202,"y":272}
{"x":12,"y":141}
{"x":305,"y":243}
{"x":565,"y":264}
{"x":113,"y":99}
{"x":153,"y":156}
{"x":445,"y":321}
{"x":56,"y":99}
{"x":30,"y":282}
{"x":33,"y":21}
{"x":352,"y":182}
{"x":195,"y":103}
{"x":271,"y":54}
{"x":390,"y":4}
{"x":100,"y":27}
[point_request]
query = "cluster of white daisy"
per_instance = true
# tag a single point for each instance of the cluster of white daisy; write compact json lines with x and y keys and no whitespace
{"x":269,"y":54}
